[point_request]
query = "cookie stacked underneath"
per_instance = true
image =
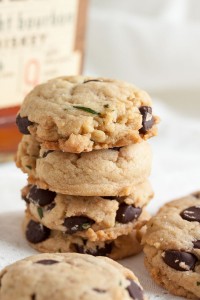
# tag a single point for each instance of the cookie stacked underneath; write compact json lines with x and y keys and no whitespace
{"x":85,"y":152}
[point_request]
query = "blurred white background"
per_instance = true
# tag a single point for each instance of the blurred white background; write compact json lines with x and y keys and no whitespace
{"x":154,"y":44}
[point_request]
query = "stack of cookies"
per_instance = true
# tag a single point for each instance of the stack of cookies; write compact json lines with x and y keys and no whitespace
{"x":88,"y":164}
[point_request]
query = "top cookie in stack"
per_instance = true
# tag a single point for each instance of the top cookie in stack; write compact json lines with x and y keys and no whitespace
{"x":84,"y":143}
{"x":80,"y":114}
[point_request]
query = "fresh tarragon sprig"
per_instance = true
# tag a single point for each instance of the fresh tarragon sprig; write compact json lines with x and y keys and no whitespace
{"x":40,"y":212}
{"x":87,"y":109}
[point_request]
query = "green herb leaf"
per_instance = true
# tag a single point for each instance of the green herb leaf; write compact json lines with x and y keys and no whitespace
{"x":85,"y":226}
{"x":106,"y":105}
{"x":29,"y":167}
{"x":87,"y":109}
{"x":40,"y":212}
{"x":198,"y":283}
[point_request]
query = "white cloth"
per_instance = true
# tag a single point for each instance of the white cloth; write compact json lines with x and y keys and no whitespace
{"x":156,"y":45}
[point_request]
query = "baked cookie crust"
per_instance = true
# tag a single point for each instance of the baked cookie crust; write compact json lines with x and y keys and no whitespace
{"x":80,"y":114}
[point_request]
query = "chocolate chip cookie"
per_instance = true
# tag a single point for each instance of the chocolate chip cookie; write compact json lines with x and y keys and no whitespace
{"x":94,"y":218}
{"x":108,"y":172}
{"x":79,"y":114}
{"x":44,"y":239}
{"x":68,"y":276}
{"x":172,"y":246}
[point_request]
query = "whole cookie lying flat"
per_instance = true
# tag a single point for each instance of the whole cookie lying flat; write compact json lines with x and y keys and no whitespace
{"x":95,"y":218}
{"x":98,"y":173}
{"x":43,"y":239}
{"x":68,"y":277}
{"x":172,"y":246}
{"x":77,"y":114}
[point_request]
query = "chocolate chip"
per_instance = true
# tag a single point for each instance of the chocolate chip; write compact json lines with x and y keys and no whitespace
{"x":36,"y":232}
{"x":77,"y":223}
{"x":40,"y":197}
{"x":196,"y":244}
{"x":23,"y":123}
{"x":33,"y":297}
{"x":50,"y":206}
{"x":109,"y":197}
{"x":127,"y":213}
{"x":46,"y":153}
{"x":95,"y":252}
{"x":191,"y":214}
{"x":135,"y":291}
{"x":196,"y":195}
{"x":116,"y":148}
{"x":47,"y":262}
{"x":147,"y":119}
{"x":80,"y":249}
{"x":26,"y":199}
{"x":179,"y":260}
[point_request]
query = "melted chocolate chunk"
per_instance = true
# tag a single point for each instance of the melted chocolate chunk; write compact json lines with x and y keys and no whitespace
{"x":36,"y":232}
{"x":196,"y":195}
{"x":196,"y":244}
{"x":77,"y":223}
{"x":41,"y":197}
{"x":23,"y":123}
{"x":109,"y":197}
{"x":47,"y":262}
{"x":33,"y":297}
{"x":135,"y":291}
{"x":80,"y":249}
{"x":179,"y":260}
{"x":127,"y":213}
{"x":97,"y":252}
{"x":46,"y":153}
{"x":191,"y":214}
{"x":147,"y":119}
{"x":26,"y":199}
{"x":50,"y":206}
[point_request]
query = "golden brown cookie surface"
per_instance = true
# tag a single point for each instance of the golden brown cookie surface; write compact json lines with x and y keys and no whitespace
{"x":172,"y":246}
{"x":107,"y":172}
{"x":79,"y":114}
{"x":68,"y":276}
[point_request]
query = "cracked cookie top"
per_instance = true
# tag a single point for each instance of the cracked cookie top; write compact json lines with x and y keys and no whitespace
{"x":78,"y":114}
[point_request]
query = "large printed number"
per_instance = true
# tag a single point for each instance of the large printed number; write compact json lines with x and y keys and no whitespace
{"x":31,"y":74}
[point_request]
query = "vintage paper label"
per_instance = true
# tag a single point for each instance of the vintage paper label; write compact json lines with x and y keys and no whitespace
{"x":37,"y":40}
